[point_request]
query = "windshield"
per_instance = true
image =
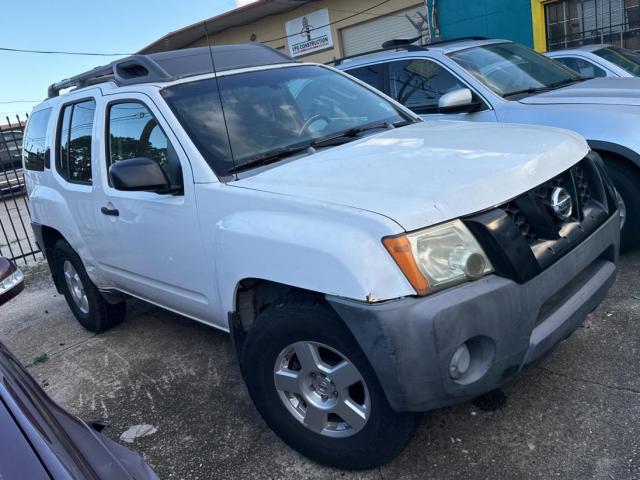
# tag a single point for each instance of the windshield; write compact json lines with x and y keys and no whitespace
{"x":271,"y":110}
{"x":623,"y":58}
{"x":510,"y":68}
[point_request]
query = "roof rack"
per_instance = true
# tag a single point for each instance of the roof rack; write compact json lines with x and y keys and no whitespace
{"x":174,"y":64}
{"x":457,"y":39}
{"x":405,"y":44}
{"x":407,"y":48}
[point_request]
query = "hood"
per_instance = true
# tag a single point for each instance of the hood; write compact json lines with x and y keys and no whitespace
{"x":428,"y":172}
{"x":599,"y":91}
{"x":66,"y":446}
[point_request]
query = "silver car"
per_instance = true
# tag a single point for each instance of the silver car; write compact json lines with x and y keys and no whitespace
{"x":501,"y":81}
{"x":11,"y":176}
{"x":599,"y":61}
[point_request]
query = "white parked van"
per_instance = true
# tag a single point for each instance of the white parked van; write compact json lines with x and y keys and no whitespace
{"x":369,"y":265}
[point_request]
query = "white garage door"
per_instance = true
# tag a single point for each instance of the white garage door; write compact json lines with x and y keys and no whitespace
{"x":369,"y":35}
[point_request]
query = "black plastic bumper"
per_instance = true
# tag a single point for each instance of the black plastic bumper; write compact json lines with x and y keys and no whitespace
{"x":508,"y":326}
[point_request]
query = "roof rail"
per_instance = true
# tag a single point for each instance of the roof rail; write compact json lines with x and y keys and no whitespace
{"x":404,"y":44}
{"x":457,"y":39}
{"x":407,"y":48}
{"x":174,"y":64}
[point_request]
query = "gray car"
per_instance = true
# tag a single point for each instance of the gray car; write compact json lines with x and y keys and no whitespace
{"x":599,"y":60}
{"x":501,"y":81}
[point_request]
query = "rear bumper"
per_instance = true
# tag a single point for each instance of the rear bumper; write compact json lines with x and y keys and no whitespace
{"x":507,"y":326}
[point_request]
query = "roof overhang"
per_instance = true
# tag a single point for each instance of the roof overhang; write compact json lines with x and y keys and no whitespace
{"x":240,"y":16}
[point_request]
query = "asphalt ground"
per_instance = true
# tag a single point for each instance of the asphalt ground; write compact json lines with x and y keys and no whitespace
{"x":576,"y":415}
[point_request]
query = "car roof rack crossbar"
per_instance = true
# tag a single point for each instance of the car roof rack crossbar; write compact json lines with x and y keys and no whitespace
{"x":174,"y":64}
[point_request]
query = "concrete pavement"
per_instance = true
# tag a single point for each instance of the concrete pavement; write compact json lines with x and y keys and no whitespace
{"x":577,"y":415}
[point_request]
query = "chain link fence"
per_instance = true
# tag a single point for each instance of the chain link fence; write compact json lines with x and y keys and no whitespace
{"x":16,"y":237}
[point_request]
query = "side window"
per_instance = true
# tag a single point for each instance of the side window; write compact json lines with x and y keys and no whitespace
{"x":584,"y":68}
{"x":134,"y":132}
{"x":73,"y":159}
{"x":419,"y":84}
{"x":371,"y":74}
{"x":35,"y":140}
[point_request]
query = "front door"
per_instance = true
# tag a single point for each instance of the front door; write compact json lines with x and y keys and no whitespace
{"x":152,"y":247}
{"x":418,"y":84}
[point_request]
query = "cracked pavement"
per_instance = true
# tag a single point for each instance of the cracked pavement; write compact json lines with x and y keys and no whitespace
{"x":576,"y":415}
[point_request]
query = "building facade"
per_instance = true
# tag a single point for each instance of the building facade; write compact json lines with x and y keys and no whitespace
{"x":321,"y":30}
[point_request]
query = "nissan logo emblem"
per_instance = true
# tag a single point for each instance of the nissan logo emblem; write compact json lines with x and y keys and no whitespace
{"x":561,"y":203}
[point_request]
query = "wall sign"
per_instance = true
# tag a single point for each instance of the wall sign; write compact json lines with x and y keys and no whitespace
{"x":309,"y":33}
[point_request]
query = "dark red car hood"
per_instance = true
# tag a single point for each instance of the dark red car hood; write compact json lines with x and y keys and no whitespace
{"x":65,"y":446}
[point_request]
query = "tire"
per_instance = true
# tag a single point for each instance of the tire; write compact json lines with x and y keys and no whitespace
{"x":384,"y":433}
{"x":95,"y":314}
{"x":626,"y":179}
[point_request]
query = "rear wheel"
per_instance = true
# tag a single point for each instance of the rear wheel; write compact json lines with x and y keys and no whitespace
{"x":87,"y":304}
{"x":315,"y":388}
{"x":626,"y":179}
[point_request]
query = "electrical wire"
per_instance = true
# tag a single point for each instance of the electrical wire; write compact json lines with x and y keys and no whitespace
{"x":97,"y":54}
{"x":59,"y":52}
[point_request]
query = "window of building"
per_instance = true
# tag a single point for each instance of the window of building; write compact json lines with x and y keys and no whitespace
{"x":34,"y":144}
{"x":582,"y":22}
{"x":73,"y":159}
{"x":418,"y":84}
{"x":583,"y":67}
{"x":134,"y":132}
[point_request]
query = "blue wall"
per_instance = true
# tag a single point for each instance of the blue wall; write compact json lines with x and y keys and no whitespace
{"x":508,"y":19}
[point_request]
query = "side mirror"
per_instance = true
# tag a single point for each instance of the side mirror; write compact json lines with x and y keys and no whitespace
{"x":458,"y":101}
{"x":11,"y":280}
{"x":139,"y":174}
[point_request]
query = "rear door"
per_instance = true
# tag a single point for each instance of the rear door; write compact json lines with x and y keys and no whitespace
{"x":151,"y":245}
{"x":72,"y":174}
{"x":418,"y":84}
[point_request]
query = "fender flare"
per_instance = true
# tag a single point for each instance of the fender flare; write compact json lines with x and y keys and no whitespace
{"x":616,"y":149}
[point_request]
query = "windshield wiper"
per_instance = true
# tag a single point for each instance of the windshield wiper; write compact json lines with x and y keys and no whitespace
{"x":309,"y":147}
{"x":352,"y":133}
{"x":546,"y":88}
{"x":272,"y":156}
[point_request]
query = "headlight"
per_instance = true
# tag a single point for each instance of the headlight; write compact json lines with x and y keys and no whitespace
{"x":11,"y":281}
{"x":438,"y":257}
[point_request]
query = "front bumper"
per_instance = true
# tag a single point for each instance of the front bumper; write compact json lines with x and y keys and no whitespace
{"x":508,"y":326}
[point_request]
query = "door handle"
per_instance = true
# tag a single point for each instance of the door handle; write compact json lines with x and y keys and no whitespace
{"x":110,"y":211}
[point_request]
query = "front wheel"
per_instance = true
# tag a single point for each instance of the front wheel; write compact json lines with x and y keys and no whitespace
{"x":626,"y":179}
{"x":315,"y":388}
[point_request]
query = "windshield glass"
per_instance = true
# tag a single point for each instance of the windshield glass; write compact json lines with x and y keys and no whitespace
{"x":273,"y":109}
{"x":621,"y":57}
{"x":509,"y":68}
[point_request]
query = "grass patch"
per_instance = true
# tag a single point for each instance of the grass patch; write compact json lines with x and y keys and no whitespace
{"x":43,"y":357}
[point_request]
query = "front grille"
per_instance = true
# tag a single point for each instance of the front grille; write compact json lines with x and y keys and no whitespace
{"x":582,"y":184}
{"x":526,"y":234}
{"x":520,"y":221}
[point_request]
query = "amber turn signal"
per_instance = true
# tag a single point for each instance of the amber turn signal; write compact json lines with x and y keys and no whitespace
{"x":400,"y":250}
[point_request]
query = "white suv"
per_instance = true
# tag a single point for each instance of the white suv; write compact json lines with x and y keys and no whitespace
{"x":368,"y":265}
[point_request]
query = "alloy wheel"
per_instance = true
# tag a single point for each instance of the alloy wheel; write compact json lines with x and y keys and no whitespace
{"x":322,"y":389}
{"x":76,"y":288}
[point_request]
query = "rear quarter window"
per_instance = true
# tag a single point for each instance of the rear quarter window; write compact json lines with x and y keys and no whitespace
{"x":34,"y":144}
